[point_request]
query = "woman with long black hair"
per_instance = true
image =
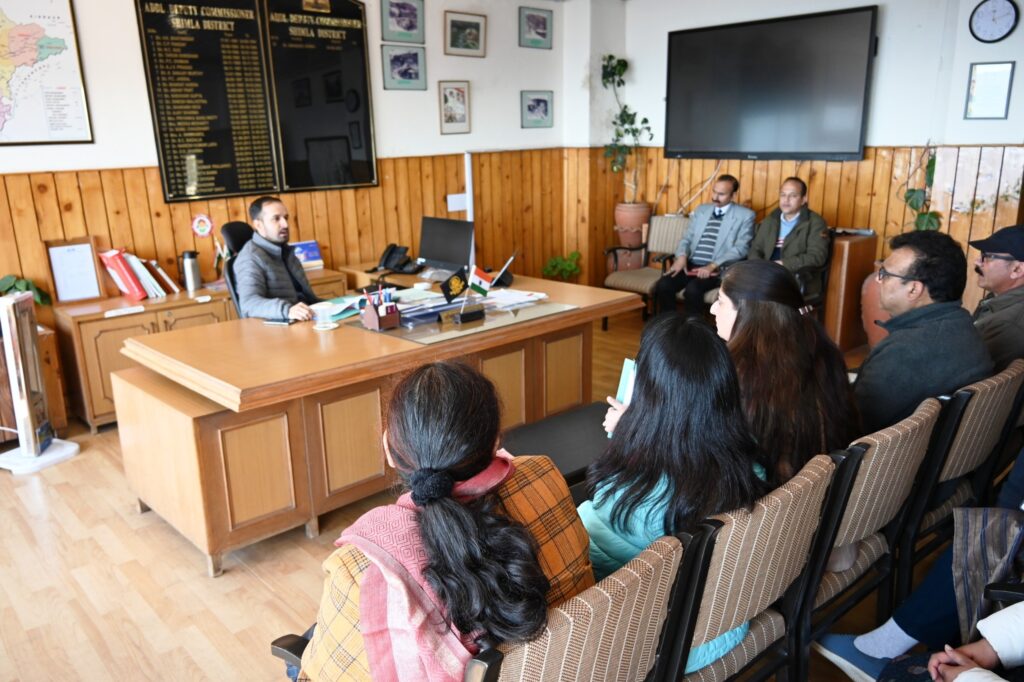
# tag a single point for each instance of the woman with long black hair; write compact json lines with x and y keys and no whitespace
{"x":481,"y":544}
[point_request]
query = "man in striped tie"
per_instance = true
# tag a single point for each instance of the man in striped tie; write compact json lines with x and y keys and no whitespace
{"x":719,"y":234}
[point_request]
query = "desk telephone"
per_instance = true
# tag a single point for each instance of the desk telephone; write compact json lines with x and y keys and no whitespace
{"x":396,"y":259}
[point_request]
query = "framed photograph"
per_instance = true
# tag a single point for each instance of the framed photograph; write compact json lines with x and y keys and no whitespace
{"x":535,"y":27}
{"x":47,"y":104}
{"x":333,"y":90}
{"x":401,"y":21}
{"x":454,"y":100}
{"x":465,"y":35}
{"x":75,"y":269}
{"x":536,"y":108}
{"x":405,"y":67}
{"x":988,"y":90}
{"x":302,"y":95}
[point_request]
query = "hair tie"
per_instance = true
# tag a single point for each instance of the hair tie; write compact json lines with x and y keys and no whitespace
{"x":805,"y":309}
{"x":429,"y":485}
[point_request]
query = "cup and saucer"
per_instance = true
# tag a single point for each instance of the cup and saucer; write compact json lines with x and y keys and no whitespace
{"x":322,"y":321}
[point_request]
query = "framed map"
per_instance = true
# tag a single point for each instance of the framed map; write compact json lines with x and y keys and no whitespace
{"x":42,"y":91}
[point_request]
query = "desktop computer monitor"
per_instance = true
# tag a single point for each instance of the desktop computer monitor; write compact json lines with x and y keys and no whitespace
{"x":445,"y":244}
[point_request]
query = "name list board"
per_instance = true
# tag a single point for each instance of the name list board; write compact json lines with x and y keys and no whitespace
{"x":219,"y":126}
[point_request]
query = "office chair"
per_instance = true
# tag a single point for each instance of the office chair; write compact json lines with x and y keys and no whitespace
{"x":235,"y":235}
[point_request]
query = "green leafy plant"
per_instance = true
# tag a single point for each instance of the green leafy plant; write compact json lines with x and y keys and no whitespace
{"x":629,"y":128}
{"x":564,"y":268}
{"x":919,"y":199}
{"x":11,"y":284}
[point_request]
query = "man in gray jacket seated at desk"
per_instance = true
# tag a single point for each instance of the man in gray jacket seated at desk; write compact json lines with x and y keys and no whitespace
{"x":269,"y":279}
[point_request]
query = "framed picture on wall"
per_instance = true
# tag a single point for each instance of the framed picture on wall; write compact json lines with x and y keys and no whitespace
{"x":536,"y":108}
{"x":47,"y":103}
{"x":465,"y":35}
{"x":401,"y":21}
{"x":405,"y":67}
{"x":535,"y":27}
{"x":454,"y":102}
{"x":988,"y":90}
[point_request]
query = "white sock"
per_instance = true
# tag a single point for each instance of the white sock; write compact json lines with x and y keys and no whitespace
{"x":888,"y":641}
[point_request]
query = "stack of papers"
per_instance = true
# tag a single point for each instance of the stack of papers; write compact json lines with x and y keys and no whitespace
{"x":346,"y":306}
{"x":505,"y":299}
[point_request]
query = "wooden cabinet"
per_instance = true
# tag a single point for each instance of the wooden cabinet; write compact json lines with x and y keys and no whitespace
{"x":92,"y":334}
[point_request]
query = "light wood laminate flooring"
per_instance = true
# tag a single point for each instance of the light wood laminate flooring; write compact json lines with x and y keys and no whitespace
{"x":90,"y":589}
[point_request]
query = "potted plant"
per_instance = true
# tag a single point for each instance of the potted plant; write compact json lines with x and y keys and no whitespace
{"x":12,"y":284}
{"x":564,"y":268}
{"x":629,"y":130}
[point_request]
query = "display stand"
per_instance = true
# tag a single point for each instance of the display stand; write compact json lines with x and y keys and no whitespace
{"x":37,"y":446}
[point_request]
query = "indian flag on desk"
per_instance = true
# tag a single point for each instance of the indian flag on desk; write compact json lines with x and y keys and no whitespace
{"x":480,"y":281}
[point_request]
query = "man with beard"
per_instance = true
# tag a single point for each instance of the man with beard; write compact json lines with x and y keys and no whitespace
{"x":1000,"y":315}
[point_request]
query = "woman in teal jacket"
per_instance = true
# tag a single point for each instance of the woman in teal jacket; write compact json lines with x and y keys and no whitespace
{"x":680,"y":453}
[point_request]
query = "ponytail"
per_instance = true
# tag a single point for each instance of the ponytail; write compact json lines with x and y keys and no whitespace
{"x":442,"y":427}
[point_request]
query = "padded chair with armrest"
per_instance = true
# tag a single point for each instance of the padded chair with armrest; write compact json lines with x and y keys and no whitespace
{"x":873,"y":519}
{"x":759,"y":572}
{"x":806,"y":275}
{"x":985,"y":425}
{"x":235,"y":235}
{"x":663,"y":237}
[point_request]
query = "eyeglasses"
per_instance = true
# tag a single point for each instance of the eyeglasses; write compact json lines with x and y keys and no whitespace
{"x":985,"y":257}
{"x":884,"y":274}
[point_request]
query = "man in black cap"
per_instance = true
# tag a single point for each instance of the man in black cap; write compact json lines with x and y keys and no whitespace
{"x":1000,"y":315}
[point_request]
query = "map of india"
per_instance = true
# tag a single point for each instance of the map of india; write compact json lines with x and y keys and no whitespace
{"x":41,"y":94}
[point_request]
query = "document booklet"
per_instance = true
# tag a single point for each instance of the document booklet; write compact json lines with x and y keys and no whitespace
{"x":626,"y":379}
{"x":346,"y":306}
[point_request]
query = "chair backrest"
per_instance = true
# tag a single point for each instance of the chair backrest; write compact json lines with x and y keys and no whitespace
{"x":607,"y":632}
{"x":887,"y":473}
{"x":229,"y":280}
{"x":665,"y":232}
{"x":983,"y":421}
{"x":235,"y":235}
{"x":759,"y":553}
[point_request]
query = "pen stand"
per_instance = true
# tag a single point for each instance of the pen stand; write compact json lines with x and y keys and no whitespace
{"x":372,"y":320}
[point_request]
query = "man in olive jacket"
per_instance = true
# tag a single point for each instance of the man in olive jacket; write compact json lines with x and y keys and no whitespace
{"x":793,"y":235}
{"x":932,"y":347}
{"x":1000,"y":315}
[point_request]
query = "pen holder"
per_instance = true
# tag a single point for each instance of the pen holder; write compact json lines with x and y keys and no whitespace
{"x":371,"y":319}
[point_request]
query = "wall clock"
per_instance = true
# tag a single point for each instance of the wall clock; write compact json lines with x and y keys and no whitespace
{"x":993,"y":20}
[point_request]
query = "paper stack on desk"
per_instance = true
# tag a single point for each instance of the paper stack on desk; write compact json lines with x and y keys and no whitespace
{"x":504,"y":299}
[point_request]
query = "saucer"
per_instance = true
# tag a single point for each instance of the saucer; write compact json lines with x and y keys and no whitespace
{"x":325,"y":327}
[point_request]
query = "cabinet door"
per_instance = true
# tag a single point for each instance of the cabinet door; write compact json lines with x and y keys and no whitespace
{"x":329,"y":290}
{"x":193,"y":315}
{"x":101,"y":345}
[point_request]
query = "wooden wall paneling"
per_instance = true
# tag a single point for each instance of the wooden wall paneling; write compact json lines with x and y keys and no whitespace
{"x":944,"y":182}
{"x":390,"y":200}
{"x":583,"y":236}
{"x":428,"y":195}
{"x":138,"y":213}
{"x":482,"y":202}
{"x":571,"y":198}
{"x":521,"y":207}
{"x":983,"y":218}
{"x":758,"y":187}
{"x":70,"y":201}
{"x":44,"y":200}
{"x":816,"y":186}
{"x":847,"y":194}
{"x":205,"y":245}
{"x":543,"y":163}
{"x":1009,"y":208}
{"x":414,"y":204}
{"x":833,"y":185}
{"x":880,"y":196}
{"x":503,"y":239}
{"x":377,"y":226}
{"x":160,"y":220}
{"x":598,"y":234}
{"x":320,"y":227}
{"x":238,"y":209}
{"x":440,"y":187}
{"x":341,"y":252}
{"x":863,"y":190}
{"x":674,"y":170}
{"x":220,"y":214}
{"x":10,"y":255}
{"x":528,"y":244}
{"x":898,"y":214}
{"x":364,"y":223}
{"x":301,"y":206}
{"x":118,"y":221}
{"x":342,"y":206}
{"x":181,"y":225}
{"x":772,"y":184}
{"x":34,"y":264}
{"x":402,"y":201}
{"x":959,"y":224}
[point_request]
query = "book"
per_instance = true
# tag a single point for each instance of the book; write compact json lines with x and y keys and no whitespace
{"x":308,"y":253}
{"x":169,"y":284}
{"x":153,"y":289}
{"x":122,"y":274}
{"x":626,"y":379}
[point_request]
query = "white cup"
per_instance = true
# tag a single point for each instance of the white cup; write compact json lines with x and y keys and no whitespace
{"x":322,"y":313}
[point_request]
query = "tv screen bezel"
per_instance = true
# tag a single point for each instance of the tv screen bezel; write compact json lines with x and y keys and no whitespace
{"x":773,"y":155}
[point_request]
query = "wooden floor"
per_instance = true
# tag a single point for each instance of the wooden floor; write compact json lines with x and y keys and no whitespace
{"x":90,"y":589}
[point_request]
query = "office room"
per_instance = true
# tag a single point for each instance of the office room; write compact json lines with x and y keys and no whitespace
{"x":179,"y":463}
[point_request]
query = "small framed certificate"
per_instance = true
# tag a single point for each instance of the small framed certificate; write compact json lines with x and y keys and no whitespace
{"x":75,"y":269}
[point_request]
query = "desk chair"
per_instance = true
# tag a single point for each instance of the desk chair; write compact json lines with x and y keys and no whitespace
{"x":805,"y":276}
{"x":235,"y":235}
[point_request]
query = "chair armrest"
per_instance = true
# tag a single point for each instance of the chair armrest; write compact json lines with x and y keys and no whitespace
{"x":804,"y":275}
{"x":289,"y":648}
{"x":486,"y":665}
{"x":665,"y":259}
{"x":613,"y":251}
{"x":1008,"y":593}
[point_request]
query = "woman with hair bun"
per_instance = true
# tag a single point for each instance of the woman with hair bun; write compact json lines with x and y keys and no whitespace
{"x":480,"y":545}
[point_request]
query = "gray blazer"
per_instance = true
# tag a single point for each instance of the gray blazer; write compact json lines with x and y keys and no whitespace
{"x":733,"y":236}
{"x":262,"y":283}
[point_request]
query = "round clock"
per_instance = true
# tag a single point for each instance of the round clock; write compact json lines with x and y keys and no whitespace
{"x":993,"y":20}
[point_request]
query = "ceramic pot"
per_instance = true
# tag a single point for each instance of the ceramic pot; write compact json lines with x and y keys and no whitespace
{"x":871,"y":308}
{"x":629,"y":222}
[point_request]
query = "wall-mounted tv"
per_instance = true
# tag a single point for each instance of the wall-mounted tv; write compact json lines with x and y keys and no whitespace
{"x":793,"y":88}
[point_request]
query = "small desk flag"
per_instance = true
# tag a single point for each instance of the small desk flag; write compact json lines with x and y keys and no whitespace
{"x":454,"y":286}
{"x":480,"y":281}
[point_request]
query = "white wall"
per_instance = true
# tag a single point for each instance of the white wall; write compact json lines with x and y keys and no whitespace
{"x":406,"y":122}
{"x":920,"y":74}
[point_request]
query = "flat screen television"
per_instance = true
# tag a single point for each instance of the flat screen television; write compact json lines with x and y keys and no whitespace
{"x":788,"y":88}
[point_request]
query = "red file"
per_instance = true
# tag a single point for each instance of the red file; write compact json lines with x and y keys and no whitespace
{"x":122,"y":274}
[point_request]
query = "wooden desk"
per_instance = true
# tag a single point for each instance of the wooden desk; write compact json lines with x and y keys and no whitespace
{"x":853,"y":258}
{"x":238,"y":431}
